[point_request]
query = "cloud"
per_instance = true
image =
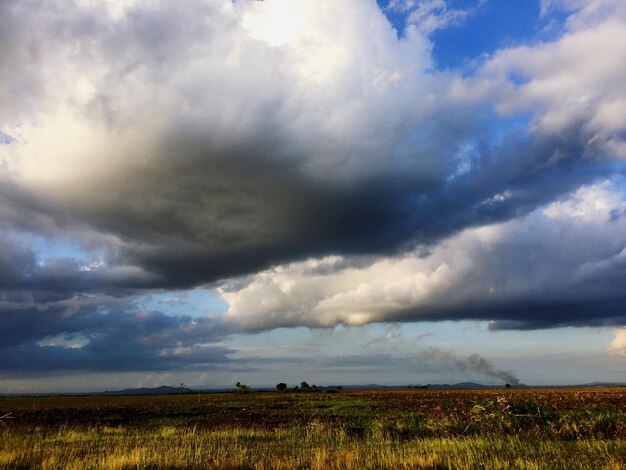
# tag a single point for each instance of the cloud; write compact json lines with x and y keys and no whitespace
{"x":305,"y":160}
{"x":104,"y":335}
{"x":588,"y":12}
{"x":547,"y":6}
{"x":618,"y":344}
{"x":15,"y":259}
{"x":525,"y":273}
{"x":249,"y":143}
{"x":216,"y":172}
{"x":429,"y":16}
{"x":574,"y":83}
{"x":32,"y":358}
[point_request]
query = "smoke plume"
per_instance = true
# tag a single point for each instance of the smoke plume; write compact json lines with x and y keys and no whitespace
{"x":472,"y":363}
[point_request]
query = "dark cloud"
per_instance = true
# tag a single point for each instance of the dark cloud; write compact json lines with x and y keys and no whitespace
{"x":201,"y":217}
{"x":16,"y":260}
{"x":32,"y":358}
{"x":108,"y":338}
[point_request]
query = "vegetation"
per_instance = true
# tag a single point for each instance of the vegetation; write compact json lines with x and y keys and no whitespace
{"x":506,"y":428}
{"x":241,"y":388}
{"x":314,"y":446}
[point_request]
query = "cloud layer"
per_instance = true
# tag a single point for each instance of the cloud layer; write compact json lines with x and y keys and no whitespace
{"x":559,"y":265}
{"x":306,"y":161}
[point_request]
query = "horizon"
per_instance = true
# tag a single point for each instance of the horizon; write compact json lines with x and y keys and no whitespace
{"x":391,"y":191}
{"x":296,"y":388}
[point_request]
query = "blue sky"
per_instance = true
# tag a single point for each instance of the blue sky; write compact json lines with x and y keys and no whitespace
{"x":489,"y":27}
{"x":337,"y":192}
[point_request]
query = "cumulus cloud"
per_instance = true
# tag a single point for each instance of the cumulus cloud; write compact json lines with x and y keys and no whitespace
{"x":203,"y":149}
{"x":306,"y":160}
{"x":529,"y":272}
{"x":618,"y":344}
{"x":213,"y":140}
{"x":574,"y":83}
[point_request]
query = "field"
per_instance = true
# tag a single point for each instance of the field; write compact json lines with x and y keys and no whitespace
{"x":410,"y":428}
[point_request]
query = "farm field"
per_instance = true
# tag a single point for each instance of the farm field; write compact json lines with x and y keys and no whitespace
{"x":407,"y":428}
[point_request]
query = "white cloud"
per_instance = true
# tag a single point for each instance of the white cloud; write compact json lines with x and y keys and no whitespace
{"x":618,"y":345}
{"x":575,"y":82}
{"x":588,"y":205}
{"x":65,"y":340}
{"x":590,"y":13}
{"x":429,"y":16}
{"x":548,"y":6}
{"x":322,"y":75}
{"x":587,"y":12}
{"x":93,"y":92}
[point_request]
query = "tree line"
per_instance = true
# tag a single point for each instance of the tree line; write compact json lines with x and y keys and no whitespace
{"x":282,"y":387}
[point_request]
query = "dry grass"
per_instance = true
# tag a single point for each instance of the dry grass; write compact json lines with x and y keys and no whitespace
{"x":495,"y":429}
{"x":314,"y":447}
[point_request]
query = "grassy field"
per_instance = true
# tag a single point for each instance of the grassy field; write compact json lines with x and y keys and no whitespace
{"x":525,"y":428}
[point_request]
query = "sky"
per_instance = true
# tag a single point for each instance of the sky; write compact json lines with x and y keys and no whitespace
{"x":396,"y":192}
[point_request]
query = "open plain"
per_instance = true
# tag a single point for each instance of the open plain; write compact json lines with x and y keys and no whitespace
{"x":404,"y":428}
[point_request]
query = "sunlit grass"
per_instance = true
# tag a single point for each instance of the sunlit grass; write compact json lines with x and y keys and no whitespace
{"x":522,"y":429}
{"x":315,"y":446}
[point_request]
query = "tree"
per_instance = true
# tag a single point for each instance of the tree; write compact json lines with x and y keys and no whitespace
{"x":304,"y":386}
{"x":281,"y":387}
{"x":241,"y":388}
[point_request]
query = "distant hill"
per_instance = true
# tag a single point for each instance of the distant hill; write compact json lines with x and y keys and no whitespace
{"x":601,"y":384}
{"x":162,"y":390}
{"x":463,"y":385}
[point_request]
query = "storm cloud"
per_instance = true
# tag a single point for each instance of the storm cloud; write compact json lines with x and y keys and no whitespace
{"x":103,"y":335}
{"x":309,"y":163}
{"x":525,"y":273}
{"x":189,"y":168}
